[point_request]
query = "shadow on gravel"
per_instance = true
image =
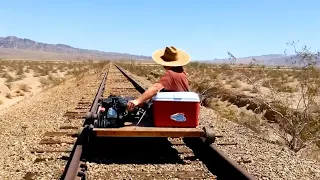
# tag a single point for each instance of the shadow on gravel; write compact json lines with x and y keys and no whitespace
{"x":215,"y":163}
{"x":133,"y":151}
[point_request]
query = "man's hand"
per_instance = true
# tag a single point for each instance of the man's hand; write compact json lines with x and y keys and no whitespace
{"x":149,"y":93}
{"x":133,"y":103}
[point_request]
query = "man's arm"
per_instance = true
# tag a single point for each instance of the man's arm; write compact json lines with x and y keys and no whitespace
{"x":155,"y":88}
{"x":150,"y":92}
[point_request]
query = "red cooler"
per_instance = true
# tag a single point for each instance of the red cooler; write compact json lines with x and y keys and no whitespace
{"x":176,"y":109}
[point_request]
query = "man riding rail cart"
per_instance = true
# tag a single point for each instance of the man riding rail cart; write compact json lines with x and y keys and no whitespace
{"x":166,"y":109}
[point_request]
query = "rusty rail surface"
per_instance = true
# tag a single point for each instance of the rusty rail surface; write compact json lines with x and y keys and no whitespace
{"x":216,"y":161}
{"x":134,"y":83}
{"x":219,"y":163}
{"x":75,"y":166}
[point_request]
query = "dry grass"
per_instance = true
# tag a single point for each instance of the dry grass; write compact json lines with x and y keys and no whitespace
{"x":24,"y":87}
{"x":21,"y":77}
{"x":8,"y":78}
{"x":8,"y":95}
{"x":289,"y":97}
{"x":20,"y":92}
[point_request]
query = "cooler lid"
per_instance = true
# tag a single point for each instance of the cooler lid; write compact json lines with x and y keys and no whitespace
{"x":177,"y":96}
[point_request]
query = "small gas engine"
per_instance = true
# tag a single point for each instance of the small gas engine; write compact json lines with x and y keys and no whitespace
{"x":113,"y":112}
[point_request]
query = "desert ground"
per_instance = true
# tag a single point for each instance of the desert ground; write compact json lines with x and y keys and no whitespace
{"x":281,"y":103}
{"x":263,"y":99}
{"x":231,"y":95}
{"x":20,"y":79}
{"x":261,"y":136}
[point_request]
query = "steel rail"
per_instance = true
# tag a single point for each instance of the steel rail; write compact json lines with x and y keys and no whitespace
{"x":222,"y":165}
{"x":218,"y":162}
{"x":237,"y":171}
{"x":99,"y":92}
{"x":72,"y":167}
{"x":134,"y":83}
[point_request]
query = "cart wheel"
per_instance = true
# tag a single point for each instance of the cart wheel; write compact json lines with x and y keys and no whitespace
{"x":209,"y":135}
{"x":95,"y":123}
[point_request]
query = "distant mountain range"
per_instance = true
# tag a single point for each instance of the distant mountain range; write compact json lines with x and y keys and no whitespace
{"x":21,"y":48}
{"x":12,"y":47}
{"x":268,"y":60}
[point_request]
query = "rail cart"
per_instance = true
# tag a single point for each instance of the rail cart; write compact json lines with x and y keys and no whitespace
{"x":168,"y":114}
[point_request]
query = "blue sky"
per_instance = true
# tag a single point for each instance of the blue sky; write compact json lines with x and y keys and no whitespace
{"x":206,"y":29}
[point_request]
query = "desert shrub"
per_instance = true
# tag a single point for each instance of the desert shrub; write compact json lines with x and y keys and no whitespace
{"x":299,"y":125}
{"x":20,"y":93}
{"x":298,"y":120}
{"x":8,"y":95}
{"x":24,"y":87}
{"x":9,"y":78}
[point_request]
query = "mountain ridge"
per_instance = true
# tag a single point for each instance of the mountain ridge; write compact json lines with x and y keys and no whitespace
{"x":269,"y":60}
{"x":12,"y":47}
{"x":13,"y":43}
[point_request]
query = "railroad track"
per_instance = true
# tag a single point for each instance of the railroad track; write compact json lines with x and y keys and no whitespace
{"x":133,"y":158}
{"x":141,"y":158}
{"x":54,"y":148}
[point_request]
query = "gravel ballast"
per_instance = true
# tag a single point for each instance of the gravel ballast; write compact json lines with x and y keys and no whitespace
{"x":141,"y":158}
{"x":24,"y":124}
{"x":261,"y":158}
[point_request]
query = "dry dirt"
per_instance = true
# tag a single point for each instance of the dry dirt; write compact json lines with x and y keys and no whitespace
{"x":24,"y":123}
{"x":22,"y":79}
{"x":19,"y":90}
{"x":229,"y":91}
{"x":260,"y":152}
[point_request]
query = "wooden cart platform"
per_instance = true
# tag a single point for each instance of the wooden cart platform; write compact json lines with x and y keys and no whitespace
{"x":138,"y":131}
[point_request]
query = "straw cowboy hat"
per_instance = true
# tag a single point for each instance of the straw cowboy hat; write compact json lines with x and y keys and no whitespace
{"x":171,"y":56}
